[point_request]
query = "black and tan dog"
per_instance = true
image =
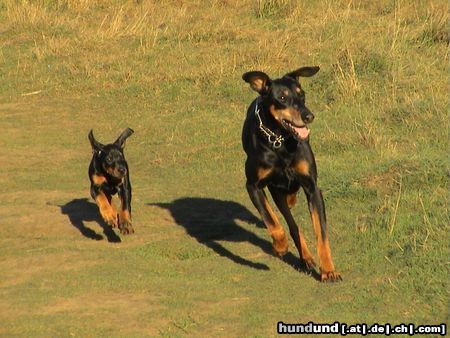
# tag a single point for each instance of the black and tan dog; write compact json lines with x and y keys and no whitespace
{"x":276,"y":139}
{"x":108,"y":172}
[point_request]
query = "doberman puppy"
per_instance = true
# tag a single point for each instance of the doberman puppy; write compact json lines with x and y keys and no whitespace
{"x":276,"y":139}
{"x":108,"y":172}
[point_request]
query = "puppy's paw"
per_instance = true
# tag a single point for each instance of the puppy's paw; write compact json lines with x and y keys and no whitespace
{"x":109,"y":216}
{"x":125,"y":225}
{"x":126,"y":228}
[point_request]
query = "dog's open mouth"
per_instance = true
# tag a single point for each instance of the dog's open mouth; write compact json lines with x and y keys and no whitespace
{"x":300,"y":132}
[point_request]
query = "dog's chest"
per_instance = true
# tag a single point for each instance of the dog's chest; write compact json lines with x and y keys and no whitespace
{"x":285,"y":176}
{"x":109,"y":188}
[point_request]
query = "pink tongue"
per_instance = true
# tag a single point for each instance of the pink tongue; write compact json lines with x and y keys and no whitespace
{"x":302,"y":132}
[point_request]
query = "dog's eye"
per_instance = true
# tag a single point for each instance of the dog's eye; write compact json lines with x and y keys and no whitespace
{"x":283,"y":98}
{"x":109,"y":159}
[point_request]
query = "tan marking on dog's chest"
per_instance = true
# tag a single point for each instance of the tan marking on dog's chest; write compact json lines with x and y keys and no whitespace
{"x":302,"y":167}
{"x":98,"y":179}
{"x":263,"y":173}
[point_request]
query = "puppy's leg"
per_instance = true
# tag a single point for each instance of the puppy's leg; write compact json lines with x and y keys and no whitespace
{"x":107,"y":210}
{"x":125,"y":224}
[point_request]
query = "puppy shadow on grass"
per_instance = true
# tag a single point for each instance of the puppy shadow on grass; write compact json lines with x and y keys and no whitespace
{"x":80,"y":211}
{"x":210,"y":221}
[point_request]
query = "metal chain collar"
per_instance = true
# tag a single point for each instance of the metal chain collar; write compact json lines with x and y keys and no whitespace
{"x":275,"y":140}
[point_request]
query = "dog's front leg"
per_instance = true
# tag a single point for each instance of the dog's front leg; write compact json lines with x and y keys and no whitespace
{"x":259,"y":199}
{"x":125,"y":224}
{"x":106,"y":208}
{"x":283,"y":201}
{"x":318,"y":218}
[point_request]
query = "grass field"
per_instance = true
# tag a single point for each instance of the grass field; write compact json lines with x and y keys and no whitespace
{"x":200,"y":263}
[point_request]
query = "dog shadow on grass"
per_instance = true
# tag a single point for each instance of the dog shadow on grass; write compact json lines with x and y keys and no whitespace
{"x":210,"y":221}
{"x":80,"y":211}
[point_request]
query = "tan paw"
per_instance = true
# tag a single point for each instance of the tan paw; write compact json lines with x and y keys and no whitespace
{"x":126,"y":228}
{"x":280,"y":246}
{"x":330,"y":276}
{"x":110,"y":216}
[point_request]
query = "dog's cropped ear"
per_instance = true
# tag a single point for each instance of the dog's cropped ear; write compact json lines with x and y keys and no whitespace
{"x":120,"y":142}
{"x":259,"y":81}
{"x":96,"y":146}
{"x":303,"y":72}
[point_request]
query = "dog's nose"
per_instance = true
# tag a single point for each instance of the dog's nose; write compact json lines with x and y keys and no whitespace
{"x":122,"y":170}
{"x":309,"y":117}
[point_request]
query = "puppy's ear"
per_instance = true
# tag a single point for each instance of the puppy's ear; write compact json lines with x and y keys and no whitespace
{"x":259,"y":81}
{"x":96,"y":146}
{"x":303,"y":72}
{"x":120,"y":142}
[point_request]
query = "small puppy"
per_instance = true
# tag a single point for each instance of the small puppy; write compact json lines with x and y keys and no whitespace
{"x":108,"y":173}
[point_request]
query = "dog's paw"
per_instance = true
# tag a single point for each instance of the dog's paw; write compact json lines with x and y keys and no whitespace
{"x":115,"y":224}
{"x":109,"y":216}
{"x":126,"y":228}
{"x":330,"y":276}
{"x":280,"y":246}
{"x":125,"y":225}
